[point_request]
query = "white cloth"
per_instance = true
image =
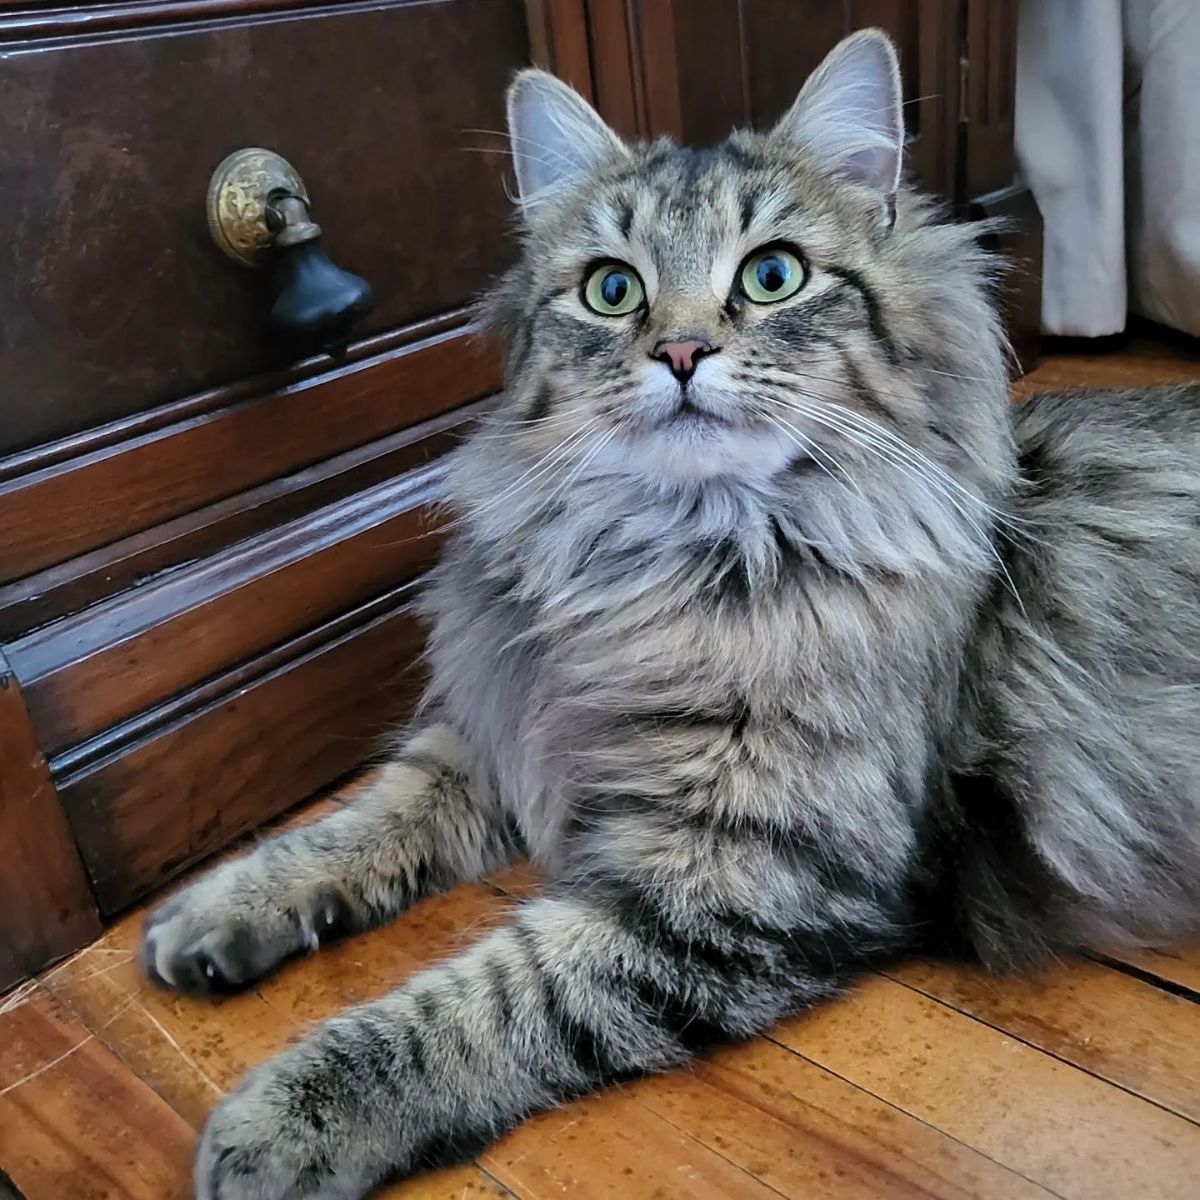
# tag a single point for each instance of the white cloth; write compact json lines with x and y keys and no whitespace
{"x":1108,"y":138}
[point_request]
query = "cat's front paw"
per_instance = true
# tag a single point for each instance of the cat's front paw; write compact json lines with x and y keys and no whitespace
{"x":231,"y":927}
{"x":280,"y":1136}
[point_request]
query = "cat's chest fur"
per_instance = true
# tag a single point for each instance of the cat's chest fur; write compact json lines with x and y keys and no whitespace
{"x":564,"y":651}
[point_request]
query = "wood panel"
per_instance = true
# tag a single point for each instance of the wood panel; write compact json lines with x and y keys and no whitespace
{"x":58,"y":591}
{"x":988,"y":105}
{"x":115,"y":298}
{"x":1065,"y":1130}
{"x":89,"y":672}
{"x":46,"y":907}
{"x":67,"y":1111}
{"x":165,"y":797}
{"x":558,"y":37}
{"x":782,"y":41}
{"x":1122,"y":1029}
{"x":57,"y":512}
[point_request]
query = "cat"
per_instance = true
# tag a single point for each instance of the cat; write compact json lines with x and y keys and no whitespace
{"x":768,"y":627}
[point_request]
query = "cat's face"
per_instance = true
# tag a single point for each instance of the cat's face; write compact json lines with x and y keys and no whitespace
{"x":688,"y":314}
{"x":681,"y":299}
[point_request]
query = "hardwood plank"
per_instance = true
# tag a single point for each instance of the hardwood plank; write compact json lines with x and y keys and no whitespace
{"x":1068,"y":1131}
{"x":1142,"y":365}
{"x":75,"y":1124}
{"x":805,"y":1132}
{"x":1112,"y":1025}
{"x":46,"y":906}
{"x":193,"y":1050}
{"x":1179,"y":966}
{"x":610,"y":1147}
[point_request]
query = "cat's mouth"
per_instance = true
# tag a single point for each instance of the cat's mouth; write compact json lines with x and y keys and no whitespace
{"x":689,"y":414}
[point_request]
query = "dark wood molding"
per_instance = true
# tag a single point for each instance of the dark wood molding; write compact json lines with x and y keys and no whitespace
{"x":558,"y":36}
{"x":364,"y":353}
{"x":46,"y":906}
{"x":88,"y":672}
{"x":1019,"y":284}
{"x":147,"y":810}
{"x":71,"y":508}
{"x":34,"y":601}
{"x":38,"y":22}
{"x":987,"y":106}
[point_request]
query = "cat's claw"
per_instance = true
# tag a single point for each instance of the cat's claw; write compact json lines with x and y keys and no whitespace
{"x":220,"y":935}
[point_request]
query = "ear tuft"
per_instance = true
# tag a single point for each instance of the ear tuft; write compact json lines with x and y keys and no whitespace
{"x":849,"y":113}
{"x":557,"y":137}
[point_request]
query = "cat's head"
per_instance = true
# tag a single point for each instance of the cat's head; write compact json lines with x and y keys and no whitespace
{"x":689,"y":314}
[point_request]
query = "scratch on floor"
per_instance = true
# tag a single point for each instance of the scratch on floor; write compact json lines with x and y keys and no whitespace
{"x":112,"y":966}
{"x":46,"y":1066}
{"x":54,"y":972}
{"x":187,"y":1058}
{"x":18,"y":996}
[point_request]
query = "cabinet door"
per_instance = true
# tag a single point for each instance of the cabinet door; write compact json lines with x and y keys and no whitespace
{"x":206,"y":547}
{"x":695,"y":69}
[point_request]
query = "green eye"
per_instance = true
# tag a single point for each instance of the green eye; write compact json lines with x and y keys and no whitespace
{"x":613,"y":290}
{"x":771,"y":275}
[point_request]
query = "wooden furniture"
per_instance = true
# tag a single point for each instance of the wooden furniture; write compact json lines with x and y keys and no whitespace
{"x":208,"y":547}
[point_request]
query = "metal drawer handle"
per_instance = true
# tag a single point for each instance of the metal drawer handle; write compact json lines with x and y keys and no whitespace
{"x":258,"y":214}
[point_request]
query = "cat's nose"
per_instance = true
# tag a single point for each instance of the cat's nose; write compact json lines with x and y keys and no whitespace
{"x":682,"y":356}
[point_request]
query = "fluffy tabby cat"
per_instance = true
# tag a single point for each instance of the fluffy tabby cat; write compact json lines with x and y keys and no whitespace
{"x":771,"y":631}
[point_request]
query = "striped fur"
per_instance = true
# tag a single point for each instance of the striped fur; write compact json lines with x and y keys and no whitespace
{"x":770,"y":697}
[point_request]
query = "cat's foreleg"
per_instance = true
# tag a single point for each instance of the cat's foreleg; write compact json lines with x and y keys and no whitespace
{"x":593,"y":983}
{"x":429,"y":819}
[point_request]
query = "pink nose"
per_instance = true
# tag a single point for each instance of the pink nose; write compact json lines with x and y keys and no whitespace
{"x":682,"y":356}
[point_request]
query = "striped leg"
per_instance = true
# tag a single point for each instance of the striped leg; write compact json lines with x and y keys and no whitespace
{"x":588,"y":986}
{"x":429,"y":820}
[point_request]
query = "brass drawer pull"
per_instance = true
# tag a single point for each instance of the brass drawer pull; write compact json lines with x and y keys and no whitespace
{"x":258,"y":214}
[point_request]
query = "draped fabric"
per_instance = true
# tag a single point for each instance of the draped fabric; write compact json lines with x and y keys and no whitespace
{"x":1108,"y":138}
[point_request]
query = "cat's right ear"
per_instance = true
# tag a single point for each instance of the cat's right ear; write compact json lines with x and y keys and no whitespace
{"x":557,"y":137}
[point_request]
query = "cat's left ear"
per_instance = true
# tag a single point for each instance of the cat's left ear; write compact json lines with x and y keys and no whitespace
{"x":849,"y":116}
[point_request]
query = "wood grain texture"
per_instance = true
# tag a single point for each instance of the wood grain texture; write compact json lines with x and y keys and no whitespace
{"x":86,"y":673}
{"x":116,"y":299}
{"x":885,"y":1095}
{"x":46,"y":907}
{"x":805,"y":1132}
{"x":75,"y":1124}
{"x":66,"y":588}
{"x":150,"y":807}
{"x":1177,"y":967}
{"x":1057,"y":1126}
{"x":61,"y":511}
{"x":1116,"y":1027}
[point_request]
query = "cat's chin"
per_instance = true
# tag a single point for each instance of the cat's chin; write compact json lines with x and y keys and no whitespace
{"x":695,"y":451}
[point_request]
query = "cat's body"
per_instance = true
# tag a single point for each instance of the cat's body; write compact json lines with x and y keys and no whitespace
{"x":759,"y":629}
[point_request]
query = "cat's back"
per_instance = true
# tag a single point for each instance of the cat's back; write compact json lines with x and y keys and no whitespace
{"x":1107,"y":542}
{"x":1082,"y":690}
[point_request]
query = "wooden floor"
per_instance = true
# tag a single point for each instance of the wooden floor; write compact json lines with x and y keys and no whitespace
{"x":929,"y":1081}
